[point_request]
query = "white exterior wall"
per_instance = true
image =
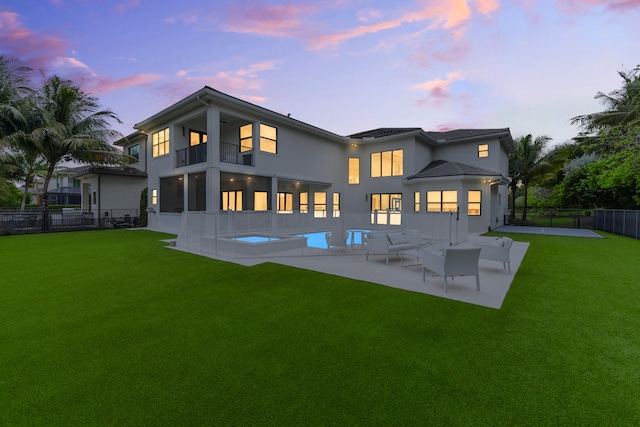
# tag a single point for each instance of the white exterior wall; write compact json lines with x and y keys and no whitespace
{"x":318,"y":160}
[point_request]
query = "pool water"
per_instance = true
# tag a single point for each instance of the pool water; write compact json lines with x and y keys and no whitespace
{"x":255,"y":239}
{"x":317,"y":240}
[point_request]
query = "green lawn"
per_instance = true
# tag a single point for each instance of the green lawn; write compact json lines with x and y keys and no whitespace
{"x":111,"y":328}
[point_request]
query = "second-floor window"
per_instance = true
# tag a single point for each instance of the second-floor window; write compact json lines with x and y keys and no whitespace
{"x":197,"y":138}
{"x":246,"y":138}
{"x":354,"y":170}
{"x":483,"y":150}
{"x":386,"y":163}
{"x":268,"y":139}
{"x":160,"y":142}
{"x":134,"y":151}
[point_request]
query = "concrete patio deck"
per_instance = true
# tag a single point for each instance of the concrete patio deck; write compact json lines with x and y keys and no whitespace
{"x":495,"y":281}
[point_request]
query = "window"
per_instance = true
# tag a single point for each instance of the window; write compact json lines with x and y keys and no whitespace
{"x":260,"y":201}
{"x":442,"y":201}
{"x":134,"y":151}
{"x":268,"y":139}
{"x":386,"y":163}
{"x":172,"y":194}
{"x":354,"y":170}
{"x":416,"y":201}
{"x":336,"y":205}
{"x":154,"y":197}
{"x":474,"y":202}
{"x":160,"y":143}
{"x":76,"y":183}
{"x":246,"y":138}
{"x":285,"y":202}
{"x":231,"y":200}
{"x":319,"y":204}
{"x":304,"y":202}
{"x":197,"y":138}
{"x":197,"y":199}
{"x":483,"y":150}
{"x":384,"y":202}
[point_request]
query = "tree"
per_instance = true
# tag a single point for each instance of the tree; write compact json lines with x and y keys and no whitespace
{"x":25,"y":166}
{"x":621,"y":116}
{"x":73,"y":127}
{"x":14,"y":85}
{"x":527,"y":163}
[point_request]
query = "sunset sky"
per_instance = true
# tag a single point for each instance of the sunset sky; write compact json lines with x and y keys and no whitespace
{"x":345,"y":65}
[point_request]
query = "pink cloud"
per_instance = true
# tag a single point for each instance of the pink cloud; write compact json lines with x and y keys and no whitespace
{"x":578,"y":6}
{"x":35,"y":49}
{"x":278,"y":20}
{"x":101,"y":84}
{"x":438,"y":89}
{"x":424,"y":55}
{"x":123,"y":7}
{"x":289,"y":20}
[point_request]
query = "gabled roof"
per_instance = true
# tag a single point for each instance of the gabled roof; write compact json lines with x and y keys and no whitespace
{"x":382,"y":132}
{"x":207,"y":95}
{"x":457,"y":134}
{"x":109,"y":170}
{"x":130,"y":138}
{"x":441,"y":168}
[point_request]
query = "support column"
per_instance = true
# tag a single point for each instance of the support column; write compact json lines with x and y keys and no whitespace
{"x":213,"y":159}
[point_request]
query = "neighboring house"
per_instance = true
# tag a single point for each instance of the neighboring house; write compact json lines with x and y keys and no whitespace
{"x":115,"y":191}
{"x":212,"y":152}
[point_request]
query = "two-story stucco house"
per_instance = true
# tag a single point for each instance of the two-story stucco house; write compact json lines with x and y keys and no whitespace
{"x":211,"y":152}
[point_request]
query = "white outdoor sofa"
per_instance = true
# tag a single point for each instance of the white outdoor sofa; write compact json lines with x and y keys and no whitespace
{"x":498,"y":250}
{"x":379,"y":242}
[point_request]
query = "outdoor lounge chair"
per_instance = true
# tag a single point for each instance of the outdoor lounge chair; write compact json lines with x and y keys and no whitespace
{"x":336,"y":240}
{"x":378,"y":242}
{"x":497,"y":251}
{"x":452,"y":262}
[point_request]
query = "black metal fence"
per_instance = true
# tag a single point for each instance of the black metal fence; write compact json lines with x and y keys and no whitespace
{"x":621,"y":222}
{"x":568,"y":218}
{"x":38,"y":220}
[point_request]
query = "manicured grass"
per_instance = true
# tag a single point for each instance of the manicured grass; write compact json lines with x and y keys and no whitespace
{"x":111,"y":328}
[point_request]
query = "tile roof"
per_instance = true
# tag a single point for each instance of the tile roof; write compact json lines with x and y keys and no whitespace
{"x":382,"y":132}
{"x":106,"y":170}
{"x":440,"y":168}
{"x":463,"y":133}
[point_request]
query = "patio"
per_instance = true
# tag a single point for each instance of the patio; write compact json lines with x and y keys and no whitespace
{"x":494,"y":280}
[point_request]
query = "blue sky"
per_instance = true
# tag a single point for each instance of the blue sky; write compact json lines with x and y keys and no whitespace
{"x":345,"y":65}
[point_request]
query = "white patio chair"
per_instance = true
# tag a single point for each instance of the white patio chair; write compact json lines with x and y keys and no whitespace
{"x":497,"y":251}
{"x":452,"y":262}
{"x":336,"y":241}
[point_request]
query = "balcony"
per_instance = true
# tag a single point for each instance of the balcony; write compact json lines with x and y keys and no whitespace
{"x":191,"y":155}
{"x":230,"y":153}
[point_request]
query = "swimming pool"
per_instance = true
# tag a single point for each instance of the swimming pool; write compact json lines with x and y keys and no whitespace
{"x":255,"y":239}
{"x":256,"y":244}
{"x":317,"y":240}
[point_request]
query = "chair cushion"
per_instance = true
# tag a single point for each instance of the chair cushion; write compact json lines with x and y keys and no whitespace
{"x":397,"y":238}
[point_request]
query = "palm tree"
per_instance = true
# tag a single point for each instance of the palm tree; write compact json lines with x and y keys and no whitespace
{"x":25,"y":166}
{"x":14,"y":85}
{"x":622,"y":114}
{"x":528,"y":162}
{"x":73,"y":127}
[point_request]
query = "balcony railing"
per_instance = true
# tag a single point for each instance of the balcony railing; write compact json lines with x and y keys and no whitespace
{"x":230,"y":153}
{"x":191,"y":155}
